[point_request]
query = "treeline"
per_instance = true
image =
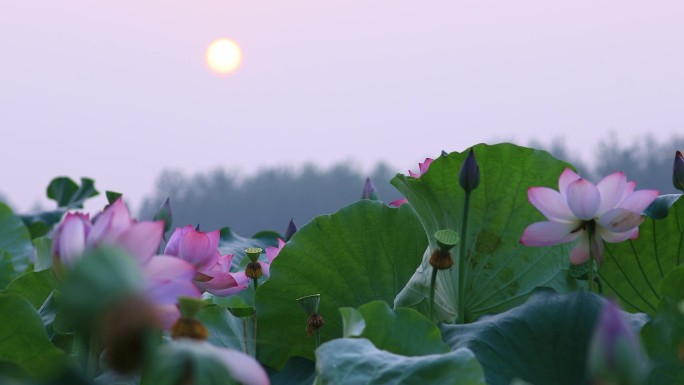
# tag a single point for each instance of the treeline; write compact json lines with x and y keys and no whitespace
{"x":266,"y":200}
{"x":271,"y":197}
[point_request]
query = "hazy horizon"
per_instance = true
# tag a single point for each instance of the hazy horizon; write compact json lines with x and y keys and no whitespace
{"x":118,"y":91}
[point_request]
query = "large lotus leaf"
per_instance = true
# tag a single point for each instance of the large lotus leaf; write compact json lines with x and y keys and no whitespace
{"x":358,"y":361}
{"x":544,"y":341}
{"x":501,"y":272}
{"x":402,"y":331}
{"x":34,"y":286}
{"x":227,"y":330}
{"x":633,"y":270}
{"x":297,"y":371}
{"x":24,"y":341}
{"x":15,"y":239}
{"x":365,"y":251}
{"x":663,"y":336}
{"x":231,"y":243}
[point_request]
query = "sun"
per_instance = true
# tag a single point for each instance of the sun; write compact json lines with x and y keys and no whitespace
{"x":223,"y":56}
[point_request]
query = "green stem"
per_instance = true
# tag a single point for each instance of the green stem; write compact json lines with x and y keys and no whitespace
{"x":318,"y":338}
{"x":433,"y":281}
{"x":462,"y":260}
{"x":91,"y":360}
{"x":590,"y":234}
{"x":254,"y":317}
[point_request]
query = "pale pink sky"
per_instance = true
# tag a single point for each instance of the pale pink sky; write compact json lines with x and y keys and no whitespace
{"x":118,"y":90}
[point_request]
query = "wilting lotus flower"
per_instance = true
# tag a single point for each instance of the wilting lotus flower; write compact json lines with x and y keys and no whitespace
{"x":612,"y":208}
{"x":422,"y":168}
{"x":197,"y":247}
{"x":615,"y":355}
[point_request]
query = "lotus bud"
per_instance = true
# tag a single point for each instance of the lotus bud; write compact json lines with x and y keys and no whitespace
{"x":369,"y":191}
{"x":165,"y":214}
{"x":69,"y":240}
{"x":678,"y":171}
{"x":615,"y":355}
{"x":291,"y":230}
{"x":469,"y":177}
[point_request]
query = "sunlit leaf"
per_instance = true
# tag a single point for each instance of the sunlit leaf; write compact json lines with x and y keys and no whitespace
{"x":501,"y":272}
{"x":364,"y":252}
{"x":633,"y":270}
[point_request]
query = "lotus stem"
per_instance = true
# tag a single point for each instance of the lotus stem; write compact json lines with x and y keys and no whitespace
{"x":433,"y":281}
{"x":462,"y":260}
{"x":590,"y":234}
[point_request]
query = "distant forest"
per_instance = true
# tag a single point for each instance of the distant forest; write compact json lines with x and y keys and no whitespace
{"x":273,"y":196}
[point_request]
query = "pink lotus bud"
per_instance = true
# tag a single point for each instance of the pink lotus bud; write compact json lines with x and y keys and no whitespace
{"x":69,"y":240}
{"x":197,"y":247}
{"x":615,"y":355}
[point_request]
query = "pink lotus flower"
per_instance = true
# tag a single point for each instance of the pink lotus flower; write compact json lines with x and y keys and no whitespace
{"x":220,"y":281}
{"x":114,"y":226}
{"x":166,"y":278}
{"x":612,"y":207}
{"x":271,"y":253}
{"x":398,"y":202}
{"x":197,"y":247}
{"x":422,"y":168}
{"x":213,"y":269}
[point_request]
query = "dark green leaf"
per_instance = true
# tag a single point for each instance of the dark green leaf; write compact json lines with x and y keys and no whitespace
{"x":43,"y":253}
{"x":402,"y":331}
{"x":365,"y":251}
{"x":357,"y":361}
{"x":297,"y":371}
{"x":15,"y":239}
{"x":34,"y":286}
{"x":633,"y":270}
{"x":7,"y":272}
{"x":61,"y":190}
{"x":68,"y":194}
{"x":24,"y":340}
{"x":232,"y":243}
{"x":663,"y":337}
{"x":112,"y":196}
{"x":40,"y":224}
{"x":227,"y":330}
{"x":501,"y":272}
{"x":544,"y":341}
{"x":660,"y":207}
